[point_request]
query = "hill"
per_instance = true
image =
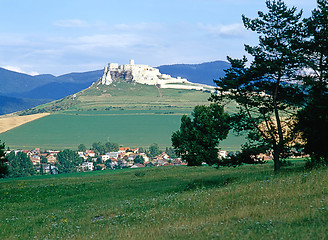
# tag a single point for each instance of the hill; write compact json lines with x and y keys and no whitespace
{"x":248,"y":202}
{"x":47,"y":87}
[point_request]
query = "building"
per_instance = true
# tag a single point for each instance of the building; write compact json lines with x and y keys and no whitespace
{"x":90,"y":153}
{"x":52,"y":159}
{"x":105,"y":158}
{"x":145,"y":74}
{"x":87,"y":166}
{"x":36,"y":160}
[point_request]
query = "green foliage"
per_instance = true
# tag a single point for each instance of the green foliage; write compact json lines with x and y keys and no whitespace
{"x":312,"y":120}
{"x":154,"y":150}
{"x":198,"y":137}
{"x":81,"y":148}
{"x":3,"y":161}
{"x":99,"y":148}
{"x":44,"y":159}
{"x":67,"y":161}
{"x":170,"y":151}
{"x":312,"y":123}
{"x":139,"y":159}
{"x":266,"y":92}
{"x":102,"y":149}
{"x":20,"y":165}
{"x":111,"y":147}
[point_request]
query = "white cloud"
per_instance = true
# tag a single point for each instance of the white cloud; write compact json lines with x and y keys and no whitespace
{"x":231,"y":30}
{"x":19,"y":70}
{"x":71,"y":23}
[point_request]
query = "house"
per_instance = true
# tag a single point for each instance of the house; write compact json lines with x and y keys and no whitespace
{"x":90,"y":153}
{"x":87,"y":166}
{"x":54,"y":152}
{"x":137,"y":165}
{"x":51,"y":159}
{"x":48,"y":168}
{"x":36,"y":151}
{"x":113,"y":154}
{"x":105,"y":157}
{"x":145,"y":157}
{"x":122,"y":150}
{"x":134,"y":150}
{"x":164,"y":155}
{"x":158,"y":162}
{"x":81,"y":155}
{"x":36,"y":160}
{"x":222,"y":154}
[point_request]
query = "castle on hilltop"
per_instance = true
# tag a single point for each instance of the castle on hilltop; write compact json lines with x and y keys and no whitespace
{"x":145,"y":74}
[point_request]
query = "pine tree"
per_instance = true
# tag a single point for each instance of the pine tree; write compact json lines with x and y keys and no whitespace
{"x":266,"y":91}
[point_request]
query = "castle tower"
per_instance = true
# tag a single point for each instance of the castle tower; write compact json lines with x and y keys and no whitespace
{"x":131,"y":62}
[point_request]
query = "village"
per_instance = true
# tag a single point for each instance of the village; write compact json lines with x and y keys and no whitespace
{"x":46,"y":162}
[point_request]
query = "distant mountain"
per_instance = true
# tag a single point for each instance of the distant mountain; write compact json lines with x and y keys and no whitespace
{"x":20,"y":91}
{"x":203,"y":73}
{"x":54,"y":90}
{"x":14,"y":82}
{"x":10,"y":104}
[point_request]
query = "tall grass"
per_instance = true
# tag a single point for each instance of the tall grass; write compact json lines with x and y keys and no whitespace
{"x":250,"y":202}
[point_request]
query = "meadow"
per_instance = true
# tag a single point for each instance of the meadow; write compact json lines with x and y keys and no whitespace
{"x":249,"y":202}
{"x":134,"y":128}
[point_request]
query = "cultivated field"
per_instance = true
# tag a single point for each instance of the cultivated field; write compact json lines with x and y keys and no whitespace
{"x":250,"y":202}
{"x":128,"y":128}
{"x":11,"y":121}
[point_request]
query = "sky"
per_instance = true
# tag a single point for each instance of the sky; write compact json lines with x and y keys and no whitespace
{"x":63,"y":36}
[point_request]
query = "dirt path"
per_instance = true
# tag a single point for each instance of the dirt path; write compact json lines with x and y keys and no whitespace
{"x":8,"y":122}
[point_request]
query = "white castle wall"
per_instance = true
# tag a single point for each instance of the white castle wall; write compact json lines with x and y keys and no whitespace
{"x":145,"y":74}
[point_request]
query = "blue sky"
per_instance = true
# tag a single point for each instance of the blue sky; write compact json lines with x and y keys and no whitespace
{"x":62,"y":36}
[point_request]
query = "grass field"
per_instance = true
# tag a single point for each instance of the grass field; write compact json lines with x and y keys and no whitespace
{"x":129,"y":128}
{"x":249,"y":202}
{"x":132,"y":115}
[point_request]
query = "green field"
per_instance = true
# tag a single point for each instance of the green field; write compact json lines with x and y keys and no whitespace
{"x":128,"y":128}
{"x":249,"y":202}
{"x":132,"y":115}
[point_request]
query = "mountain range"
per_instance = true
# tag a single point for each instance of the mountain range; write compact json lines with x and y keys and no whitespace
{"x":20,"y":91}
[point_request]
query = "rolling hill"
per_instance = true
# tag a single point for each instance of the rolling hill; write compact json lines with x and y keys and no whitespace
{"x":47,"y":87}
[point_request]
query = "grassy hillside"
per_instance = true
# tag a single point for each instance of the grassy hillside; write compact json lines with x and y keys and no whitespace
{"x":127,"y":96}
{"x":249,"y":202}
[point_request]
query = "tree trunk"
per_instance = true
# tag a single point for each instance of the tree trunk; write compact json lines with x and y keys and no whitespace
{"x":276,"y":158}
{"x":279,"y":147}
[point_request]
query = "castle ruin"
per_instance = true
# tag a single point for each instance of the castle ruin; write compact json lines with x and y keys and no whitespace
{"x":145,"y":74}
